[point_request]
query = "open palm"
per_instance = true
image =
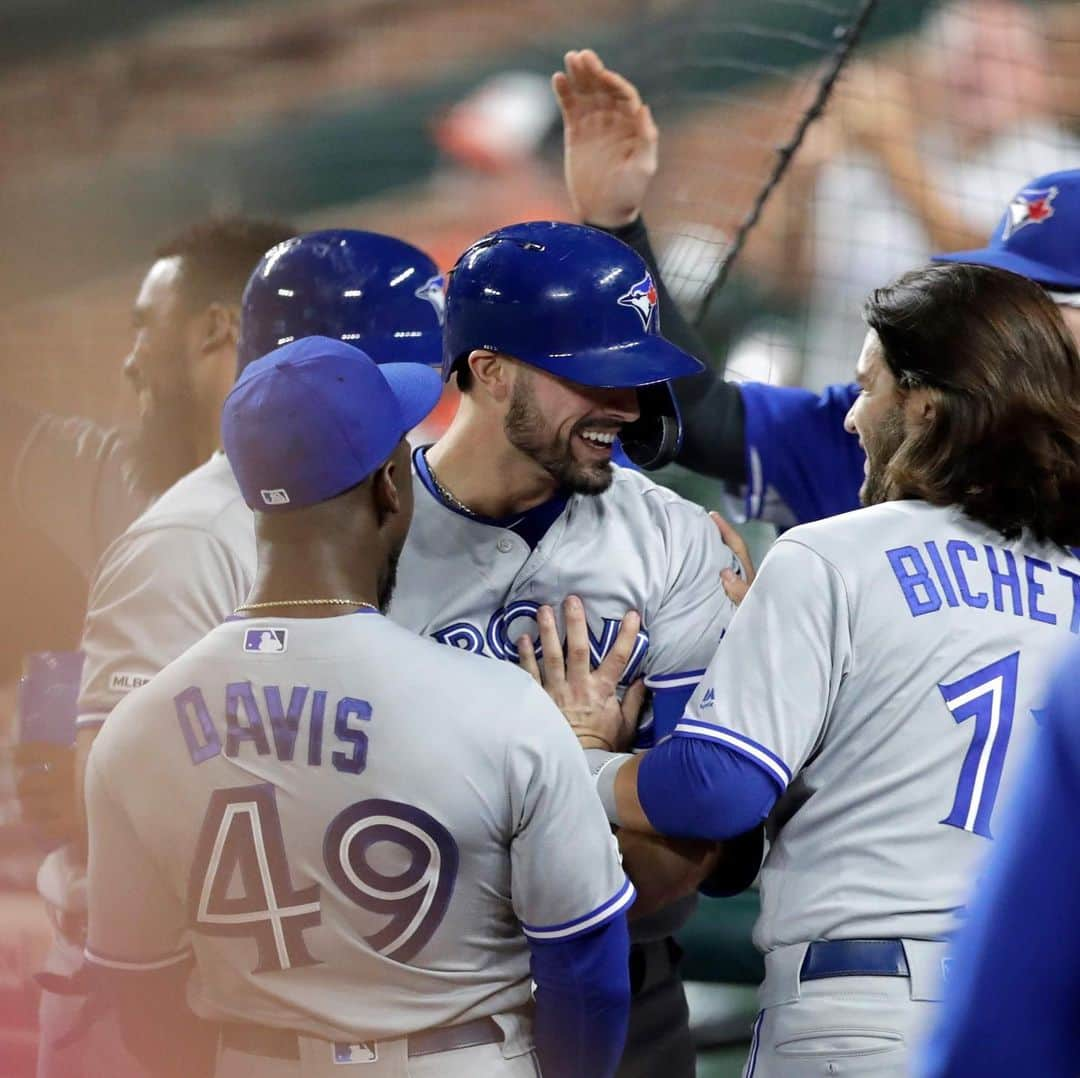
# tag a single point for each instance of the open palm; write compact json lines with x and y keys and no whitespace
{"x":610,"y":141}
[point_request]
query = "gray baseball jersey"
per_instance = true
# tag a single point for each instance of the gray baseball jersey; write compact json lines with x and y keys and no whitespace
{"x":886,"y":669}
{"x":477,"y":584}
{"x":73,"y":480}
{"x":359,"y":827}
{"x":177,"y":572}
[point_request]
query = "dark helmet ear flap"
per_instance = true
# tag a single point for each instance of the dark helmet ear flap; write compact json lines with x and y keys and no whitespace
{"x":654,"y":438}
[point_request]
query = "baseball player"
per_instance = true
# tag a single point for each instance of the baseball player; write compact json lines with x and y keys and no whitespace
{"x":1012,"y":1001}
{"x":785,"y":446}
{"x":276,"y":791}
{"x":1037,"y":238}
{"x":181,"y":568}
{"x":83,"y":485}
{"x":875,"y":690}
{"x":552,"y":332}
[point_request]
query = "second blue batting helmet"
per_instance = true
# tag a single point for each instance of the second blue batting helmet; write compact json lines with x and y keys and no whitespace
{"x":375,"y":292}
{"x":579,"y":304}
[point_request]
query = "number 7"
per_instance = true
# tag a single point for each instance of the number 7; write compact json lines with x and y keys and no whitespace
{"x":988,"y":696}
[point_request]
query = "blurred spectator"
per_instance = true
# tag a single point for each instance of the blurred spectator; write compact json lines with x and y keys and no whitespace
{"x":910,"y":162}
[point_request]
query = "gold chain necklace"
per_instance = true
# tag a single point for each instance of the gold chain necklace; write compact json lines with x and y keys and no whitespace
{"x":447,"y":495}
{"x":307,"y":602}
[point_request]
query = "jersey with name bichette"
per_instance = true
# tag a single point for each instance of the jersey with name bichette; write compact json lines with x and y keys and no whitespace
{"x":908,"y":650}
{"x":354,"y":829}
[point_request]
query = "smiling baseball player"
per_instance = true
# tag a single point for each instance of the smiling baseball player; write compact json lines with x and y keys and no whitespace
{"x":552,"y":332}
{"x":878,"y":684}
{"x":289,"y":844}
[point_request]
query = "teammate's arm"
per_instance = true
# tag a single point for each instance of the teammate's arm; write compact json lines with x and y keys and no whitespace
{"x":143,"y":613}
{"x":571,"y":896}
{"x":70,"y":479}
{"x":771,"y":440}
{"x":756,"y":716}
{"x":137,"y":959}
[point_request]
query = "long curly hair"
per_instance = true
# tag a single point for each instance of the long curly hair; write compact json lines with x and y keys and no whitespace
{"x":1002,"y":373}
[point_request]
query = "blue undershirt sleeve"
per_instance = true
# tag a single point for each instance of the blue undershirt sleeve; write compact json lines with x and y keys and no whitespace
{"x":693,"y":788}
{"x":582,"y":1001}
{"x":796,"y":445}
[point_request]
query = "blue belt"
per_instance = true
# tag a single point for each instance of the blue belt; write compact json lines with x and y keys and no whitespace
{"x":854,"y":958}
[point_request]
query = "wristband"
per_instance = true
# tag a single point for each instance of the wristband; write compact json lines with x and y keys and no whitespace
{"x":604,"y":766}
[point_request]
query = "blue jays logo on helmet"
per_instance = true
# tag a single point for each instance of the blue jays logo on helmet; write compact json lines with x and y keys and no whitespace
{"x":434,"y":291}
{"x":1031,"y":206}
{"x":642,"y":297}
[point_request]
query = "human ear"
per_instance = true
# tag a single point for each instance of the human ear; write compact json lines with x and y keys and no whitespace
{"x":491,"y":373}
{"x":219,"y":328}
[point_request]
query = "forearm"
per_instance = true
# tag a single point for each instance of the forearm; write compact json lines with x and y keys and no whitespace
{"x":582,"y":1002}
{"x":712,"y":410}
{"x":664,"y":870}
{"x":943,"y":223}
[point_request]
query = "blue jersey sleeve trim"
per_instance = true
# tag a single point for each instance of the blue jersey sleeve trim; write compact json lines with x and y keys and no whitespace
{"x":671,"y":693}
{"x":679,"y":680}
{"x":140,"y":966}
{"x":767,"y":760}
{"x":796,"y":445}
{"x":617,"y":904}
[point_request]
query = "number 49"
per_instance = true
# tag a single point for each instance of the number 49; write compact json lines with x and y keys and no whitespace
{"x":241,"y":884}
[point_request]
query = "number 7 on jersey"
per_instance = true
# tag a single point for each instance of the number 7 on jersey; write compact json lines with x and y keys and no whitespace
{"x":989,"y":697}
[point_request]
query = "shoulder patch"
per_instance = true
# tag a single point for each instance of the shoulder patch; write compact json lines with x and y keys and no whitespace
{"x":120,"y":682}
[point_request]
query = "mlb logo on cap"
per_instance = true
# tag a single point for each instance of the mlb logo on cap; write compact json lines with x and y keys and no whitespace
{"x":266,"y":640}
{"x":316,"y":417}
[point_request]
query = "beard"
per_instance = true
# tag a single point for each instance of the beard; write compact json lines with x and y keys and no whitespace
{"x":163,"y":448}
{"x":881,"y":446}
{"x":389,"y":580}
{"x":527,"y":432}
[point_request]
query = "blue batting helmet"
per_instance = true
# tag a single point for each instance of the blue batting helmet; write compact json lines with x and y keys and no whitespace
{"x":579,"y":304}
{"x":375,"y":292}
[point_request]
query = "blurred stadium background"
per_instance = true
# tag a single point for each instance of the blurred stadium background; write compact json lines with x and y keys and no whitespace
{"x":434,"y":121}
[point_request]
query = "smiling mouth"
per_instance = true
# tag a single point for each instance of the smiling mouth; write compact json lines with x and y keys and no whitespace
{"x":598,"y":440}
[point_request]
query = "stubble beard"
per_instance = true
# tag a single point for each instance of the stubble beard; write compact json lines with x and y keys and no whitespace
{"x":163,"y":449}
{"x":527,"y":432}
{"x":881,"y":446}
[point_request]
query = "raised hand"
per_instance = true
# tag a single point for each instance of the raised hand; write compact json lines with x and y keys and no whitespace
{"x":609,"y":141}
{"x":587,"y":698}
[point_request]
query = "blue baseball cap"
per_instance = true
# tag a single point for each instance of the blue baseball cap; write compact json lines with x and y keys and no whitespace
{"x":317,"y":416}
{"x":1038,"y":236}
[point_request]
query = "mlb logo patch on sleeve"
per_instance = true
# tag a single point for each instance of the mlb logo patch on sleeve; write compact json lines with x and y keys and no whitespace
{"x":266,"y":640}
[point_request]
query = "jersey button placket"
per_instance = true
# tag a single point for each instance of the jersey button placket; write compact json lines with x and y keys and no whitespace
{"x":505,"y":545}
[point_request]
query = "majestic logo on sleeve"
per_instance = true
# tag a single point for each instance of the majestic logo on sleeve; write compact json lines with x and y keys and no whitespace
{"x":642,"y":297}
{"x":1031,"y":207}
{"x":434,"y":291}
